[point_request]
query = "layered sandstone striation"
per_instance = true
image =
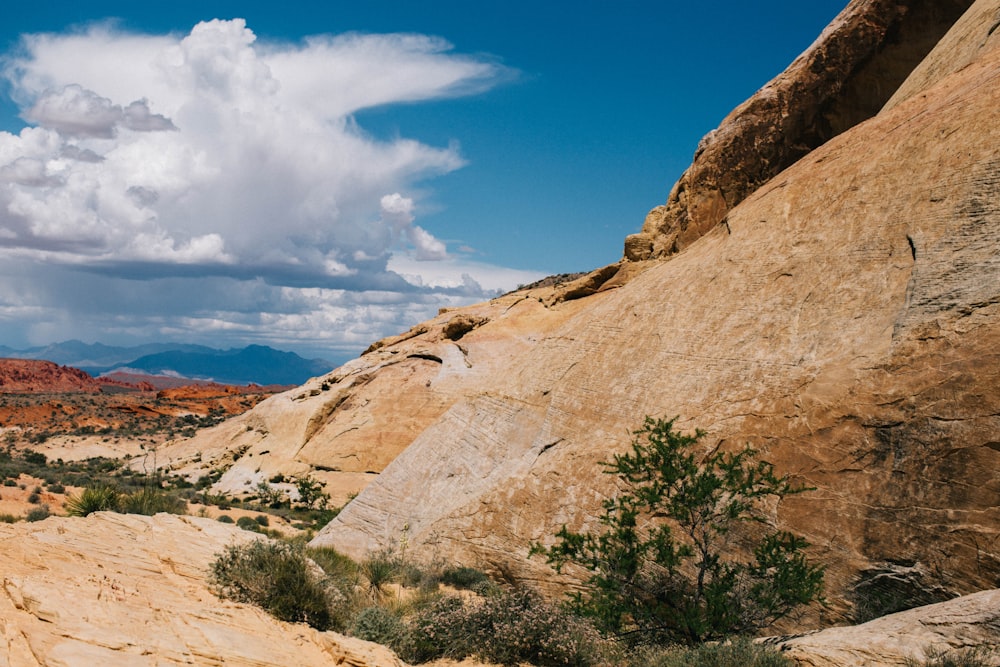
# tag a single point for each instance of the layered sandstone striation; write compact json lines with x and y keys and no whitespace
{"x":964,"y":624}
{"x":130,"y":590}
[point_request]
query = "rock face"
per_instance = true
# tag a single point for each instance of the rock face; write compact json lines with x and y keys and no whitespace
{"x":842,"y":317}
{"x":844,"y":78}
{"x":961,"y":624}
{"x":843,"y":320}
{"x":130,"y":590}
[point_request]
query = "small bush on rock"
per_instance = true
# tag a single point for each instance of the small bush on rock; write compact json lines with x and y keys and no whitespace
{"x":38,"y":513}
{"x":276,"y":577}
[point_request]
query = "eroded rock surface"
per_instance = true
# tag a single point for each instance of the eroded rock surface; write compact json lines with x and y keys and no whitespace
{"x":129,"y":590}
{"x":844,"y":78}
{"x":844,"y":321}
{"x":961,"y":624}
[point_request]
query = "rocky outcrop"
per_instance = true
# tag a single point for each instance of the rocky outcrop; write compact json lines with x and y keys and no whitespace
{"x":130,"y":590}
{"x":844,"y":78}
{"x":957,"y":625}
{"x":844,"y":321}
{"x":28,"y":376}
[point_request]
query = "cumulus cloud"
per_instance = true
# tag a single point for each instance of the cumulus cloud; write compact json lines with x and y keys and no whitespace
{"x":212,"y":157}
{"x":212,"y":149}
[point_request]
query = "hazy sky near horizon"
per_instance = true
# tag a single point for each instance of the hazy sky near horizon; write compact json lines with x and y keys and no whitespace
{"x":314,"y":176}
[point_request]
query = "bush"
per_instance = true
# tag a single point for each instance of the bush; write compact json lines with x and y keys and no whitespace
{"x":739,"y":652}
{"x":8,"y":518}
{"x":509,"y":628}
{"x":101,"y":498}
{"x":262,"y":520}
{"x":247,"y":523}
{"x":380,"y":625}
{"x":34,"y":499}
{"x":151,"y":500}
{"x":57,"y":488}
{"x":462,"y":577}
{"x":225,"y":518}
{"x":979,"y":656}
{"x":38,"y":513}
{"x":652,"y":584}
{"x":276,"y":577}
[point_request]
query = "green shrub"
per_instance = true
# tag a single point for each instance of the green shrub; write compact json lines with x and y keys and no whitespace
{"x":8,"y":518}
{"x":463,"y":577}
{"x":247,"y":523}
{"x":57,"y":488}
{"x":262,"y":520}
{"x":378,"y":624}
{"x":150,"y":500}
{"x":674,"y":580}
{"x":34,"y":499}
{"x":508,"y":629}
{"x":101,"y":498}
{"x":276,"y":577}
{"x":10,"y":482}
{"x":38,"y":513}
{"x":979,"y":656}
{"x":740,"y":652}
{"x":225,"y":518}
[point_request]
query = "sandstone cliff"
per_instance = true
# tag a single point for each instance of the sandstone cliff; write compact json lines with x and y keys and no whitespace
{"x":842,"y":317}
{"x":844,"y":78}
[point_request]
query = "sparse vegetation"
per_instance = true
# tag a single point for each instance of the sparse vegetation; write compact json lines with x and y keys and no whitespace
{"x":674,"y":580}
{"x":147,"y":500}
{"x":463,"y":577}
{"x":38,"y":513}
{"x":275,"y":576}
{"x":739,"y":652}
{"x":978,"y":656}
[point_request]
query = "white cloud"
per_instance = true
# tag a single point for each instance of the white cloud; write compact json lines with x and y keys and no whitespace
{"x":231,"y":178}
{"x":210,"y":148}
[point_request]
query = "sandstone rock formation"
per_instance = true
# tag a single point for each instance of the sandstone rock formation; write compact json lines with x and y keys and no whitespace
{"x":844,"y":320}
{"x":24,"y":376}
{"x":843,"y":317}
{"x":961,"y":624}
{"x":844,"y":78}
{"x":131,"y":590}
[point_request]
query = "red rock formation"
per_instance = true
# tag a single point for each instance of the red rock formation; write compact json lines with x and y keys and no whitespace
{"x":29,"y":376}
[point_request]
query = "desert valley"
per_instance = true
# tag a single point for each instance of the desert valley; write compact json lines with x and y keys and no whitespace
{"x":821,"y":285}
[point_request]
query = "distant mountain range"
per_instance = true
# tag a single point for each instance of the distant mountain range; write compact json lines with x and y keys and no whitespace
{"x":255,"y":363}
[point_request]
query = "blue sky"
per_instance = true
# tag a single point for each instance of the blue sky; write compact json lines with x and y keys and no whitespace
{"x":320,"y":175}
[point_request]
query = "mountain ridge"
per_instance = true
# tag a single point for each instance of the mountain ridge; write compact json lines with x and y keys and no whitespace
{"x":258,"y":364}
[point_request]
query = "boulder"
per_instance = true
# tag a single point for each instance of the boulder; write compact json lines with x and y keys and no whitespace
{"x":961,"y":624}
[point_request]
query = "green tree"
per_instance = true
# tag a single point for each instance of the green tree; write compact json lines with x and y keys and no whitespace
{"x":663,"y":569}
{"x":311,"y":493}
